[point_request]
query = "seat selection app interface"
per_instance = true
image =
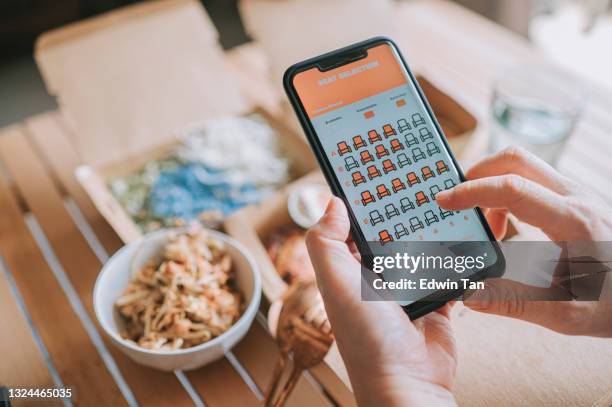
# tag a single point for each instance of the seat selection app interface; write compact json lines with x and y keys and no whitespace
{"x":387,"y":154}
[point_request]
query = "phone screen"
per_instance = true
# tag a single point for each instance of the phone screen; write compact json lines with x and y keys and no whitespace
{"x":386,"y":152}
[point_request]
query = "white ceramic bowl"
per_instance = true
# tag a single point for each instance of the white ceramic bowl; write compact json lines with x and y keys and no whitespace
{"x":115,"y":276}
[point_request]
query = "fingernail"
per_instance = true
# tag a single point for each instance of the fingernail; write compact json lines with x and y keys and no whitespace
{"x":330,"y":203}
{"x":443,"y":195}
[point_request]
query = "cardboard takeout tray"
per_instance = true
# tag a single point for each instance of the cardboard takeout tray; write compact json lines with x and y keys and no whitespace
{"x":94,"y":178}
{"x":128,"y":80}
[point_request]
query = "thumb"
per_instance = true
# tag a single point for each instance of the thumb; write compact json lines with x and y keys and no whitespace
{"x":334,"y":264}
{"x":538,"y":305}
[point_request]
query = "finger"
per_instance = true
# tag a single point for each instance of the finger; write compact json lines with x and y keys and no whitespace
{"x":547,"y":307}
{"x":516,"y":160}
{"x":334,"y":225}
{"x":338,"y":274}
{"x":331,"y":257}
{"x":437,"y":328}
{"x":527,"y":200}
{"x":498,"y":221}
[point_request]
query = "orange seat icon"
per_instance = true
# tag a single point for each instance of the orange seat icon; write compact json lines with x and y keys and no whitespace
{"x":389,"y":130}
{"x":397,"y":185}
{"x":358,"y":142}
{"x":367,"y":198}
{"x":427,"y":173}
{"x":384,"y":237}
{"x":373,"y":172}
{"x":388,"y":166}
{"x":441,"y":167}
{"x":396,"y":145}
{"x":366,"y":157}
{"x":343,"y":148}
{"x":412,"y":179}
{"x":374,"y":136}
{"x":358,"y":178}
{"x":421,"y":198}
{"x":382,"y":191}
{"x":381,"y":151}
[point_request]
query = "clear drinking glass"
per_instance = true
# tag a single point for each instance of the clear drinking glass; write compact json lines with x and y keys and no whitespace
{"x":537,"y":107}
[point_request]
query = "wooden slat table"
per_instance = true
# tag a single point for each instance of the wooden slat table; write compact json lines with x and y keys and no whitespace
{"x":50,"y":252}
{"x":53,"y":243}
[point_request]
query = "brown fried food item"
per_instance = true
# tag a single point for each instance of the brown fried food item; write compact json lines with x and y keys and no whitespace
{"x":289,"y":254}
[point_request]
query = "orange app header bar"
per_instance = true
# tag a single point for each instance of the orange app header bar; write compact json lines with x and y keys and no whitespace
{"x":323,"y":92}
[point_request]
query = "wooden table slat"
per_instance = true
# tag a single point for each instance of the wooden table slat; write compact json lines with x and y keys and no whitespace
{"x":258,"y":353}
{"x":48,"y":132}
{"x":77,"y":259}
{"x":73,"y":354}
{"x":24,"y":364}
{"x":220,"y":385}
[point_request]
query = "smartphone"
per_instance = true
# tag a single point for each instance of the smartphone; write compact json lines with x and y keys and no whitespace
{"x":384,"y":153}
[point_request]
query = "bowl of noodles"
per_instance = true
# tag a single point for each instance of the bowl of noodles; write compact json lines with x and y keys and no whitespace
{"x":178,"y":298}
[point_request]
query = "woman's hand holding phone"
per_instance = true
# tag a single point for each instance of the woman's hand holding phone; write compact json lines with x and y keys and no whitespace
{"x":347,"y":101}
{"x":388,"y":357}
{"x":515,"y":181}
{"x":390,"y":360}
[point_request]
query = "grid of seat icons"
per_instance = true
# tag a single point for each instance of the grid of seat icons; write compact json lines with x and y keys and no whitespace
{"x":366,"y":158}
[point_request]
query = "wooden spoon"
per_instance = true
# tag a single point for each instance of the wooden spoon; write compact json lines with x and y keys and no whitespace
{"x":299,"y":323}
